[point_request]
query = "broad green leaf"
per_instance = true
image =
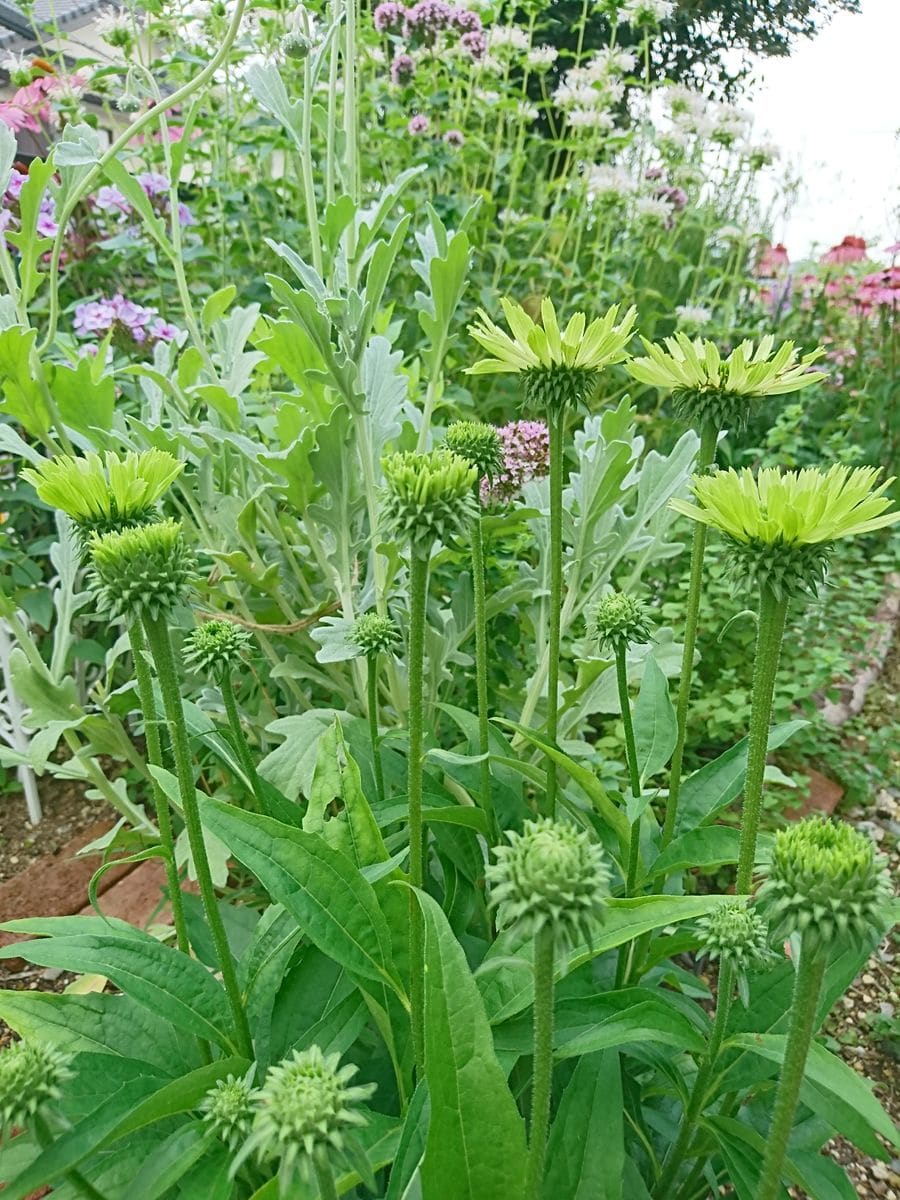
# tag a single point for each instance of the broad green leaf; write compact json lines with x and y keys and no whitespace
{"x":210,"y":1179}
{"x":171,"y":984}
{"x":743,"y":1150}
{"x":655,"y":727}
{"x":505,"y":976}
{"x":715,"y":785}
{"x":833,"y":1090}
{"x":85,"y":399}
{"x":328,"y":897}
{"x":652,"y":1021}
{"x":586,"y":1151}
{"x":171,"y":1161}
{"x":217,"y":305}
{"x":354,"y":829}
{"x":475,"y":1148}
{"x":98,"y":1022}
{"x":709,"y":846}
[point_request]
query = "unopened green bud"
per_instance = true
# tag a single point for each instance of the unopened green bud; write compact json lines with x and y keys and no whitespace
{"x":215,"y":645}
{"x":296,"y":45}
{"x":143,"y":571}
{"x":735,"y":934}
{"x":429,"y":496}
{"x":618,"y":621}
{"x":478,"y":444}
{"x":551,"y":874}
{"x":826,"y":883}
{"x":31,"y":1075}
{"x":373,"y":633}
{"x":228,"y":1107}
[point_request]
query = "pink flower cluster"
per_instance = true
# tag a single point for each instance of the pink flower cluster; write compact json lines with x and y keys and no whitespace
{"x":423,"y":26}
{"x":130,"y":324}
{"x":111,"y":202}
{"x":860,"y":296}
{"x":31,"y":108}
{"x":526,"y":455}
{"x":9,"y":207}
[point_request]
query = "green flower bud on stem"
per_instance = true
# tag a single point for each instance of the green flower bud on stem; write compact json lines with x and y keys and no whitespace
{"x":478,"y":444}
{"x":619,"y":620}
{"x":229,"y":1109}
{"x":215,"y":646}
{"x":374,"y":633}
{"x":429,"y":496}
{"x":31,"y":1076}
{"x":142,"y":571}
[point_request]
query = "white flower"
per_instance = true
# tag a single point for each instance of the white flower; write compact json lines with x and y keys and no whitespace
{"x":729,"y":233}
{"x":610,"y":60}
{"x":605,"y":180}
{"x":486,"y":97}
{"x":111,"y":23}
{"x":509,"y":37}
{"x":653,"y":208}
{"x":589,"y":118}
{"x":509,"y":216}
{"x":542,"y":57}
{"x":646,"y":12}
{"x":693,"y":314}
{"x":18,"y":67}
{"x":526,"y":111}
{"x":198,"y":9}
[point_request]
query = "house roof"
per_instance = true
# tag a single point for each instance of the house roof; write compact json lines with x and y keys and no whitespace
{"x":17,"y":29}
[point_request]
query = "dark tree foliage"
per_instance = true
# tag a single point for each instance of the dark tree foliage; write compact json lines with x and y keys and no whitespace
{"x":709,"y":44}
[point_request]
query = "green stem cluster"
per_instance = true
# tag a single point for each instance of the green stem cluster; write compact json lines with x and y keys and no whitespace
{"x":705,"y":456}
{"x":158,"y":638}
{"x":245,"y":758}
{"x":634,"y":779}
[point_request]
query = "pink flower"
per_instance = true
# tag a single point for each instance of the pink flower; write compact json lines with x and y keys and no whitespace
{"x":772,"y":259}
{"x":474,"y":43}
{"x":851,"y":249}
{"x":464,"y":20}
{"x":110,"y":199}
{"x":417,"y":125}
{"x":403,"y":68}
{"x":526,"y":455}
{"x":388,"y":17}
{"x":454,"y":138}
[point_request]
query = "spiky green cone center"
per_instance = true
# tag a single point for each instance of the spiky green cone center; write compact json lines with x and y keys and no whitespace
{"x":551,"y":389}
{"x":228,"y":1107}
{"x":141,"y":571}
{"x":31,"y":1076}
{"x":787,"y":569}
{"x":826,"y":883}
{"x":735,"y":934}
{"x":619,"y":620}
{"x":550,"y":874}
{"x":429,"y":497}
{"x":720,"y":408}
{"x":478,"y":444}
{"x":214,"y":646}
{"x":374,"y":633}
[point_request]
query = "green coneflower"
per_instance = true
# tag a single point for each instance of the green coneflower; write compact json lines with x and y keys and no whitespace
{"x":374,"y":634}
{"x":306,"y":1111}
{"x":560,"y":369}
{"x":429,"y":496}
{"x":826,"y":884}
{"x":142,"y":570}
{"x":619,"y":620}
{"x":31,"y":1075}
{"x":215,"y":646}
{"x":779,"y":529}
{"x":100,"y":495}
{"x":228,"y":1108}
{"x":551,"y":881}
{"x":479,"y":444}
{"x":725,"y":391}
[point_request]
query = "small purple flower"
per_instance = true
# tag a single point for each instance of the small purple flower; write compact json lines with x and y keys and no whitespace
{"x":389,"y":17}
{"x":163,"y":331}
{"x":474,"y":43}
{"x":185,"y":217}
{"x":425,"y":20}
{"x":675,"y":196}
{"x":110,"y":199}
{"x":454,"y":138}
{"x":417,"y":125}
{"x":154,"y":184}
{"x":403,"y":68}
{"x":526,"y":455}
{"x":14,"y":187}
{"x":94,"y":316}
{"x":464,"y":20}
{"x":130,"y":324}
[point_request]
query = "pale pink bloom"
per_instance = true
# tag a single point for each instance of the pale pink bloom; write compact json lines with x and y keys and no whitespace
{"x":772,"y":260}
{"x":851,"y":249}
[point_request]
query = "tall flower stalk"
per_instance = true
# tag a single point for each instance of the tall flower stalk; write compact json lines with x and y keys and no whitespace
{"x":550,"y":883}
{"x":560,"y":370}
{"x":374,"y":634}
{"x":713,"y":394}
{"x":825,"y":884}
{"x":480,"y":446}
{"x":429,"y":499}
{"x":141,"y":574}
{"x":779,"y":530}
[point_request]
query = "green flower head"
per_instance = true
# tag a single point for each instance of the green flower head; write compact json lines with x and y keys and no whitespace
{"x":780,"y":527}
{"x":214,"y":646}
{"x":559,"y":367}
{"x":735,"y":934}
{"x":31,"y":1075}
{"x":100,"y":495}
{"x":305,"y":1109}
{"x":618,"y":621}
{"x":825,"y":882}
{"x":229,"y":1109}
{"x":142,"y":571}
{"x":478,"y":444}
{"x":373,"y":633}
{"x":723,"y":391}
{"x":551,"y":874}
{"x":429,"y":496}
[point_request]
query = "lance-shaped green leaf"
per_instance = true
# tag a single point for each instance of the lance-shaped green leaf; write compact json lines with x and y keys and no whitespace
{"x":586,"y":1152}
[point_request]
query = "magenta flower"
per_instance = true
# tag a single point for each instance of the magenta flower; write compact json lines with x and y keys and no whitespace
{"x":110,"y":199}
{"x":417,"y":125}
{"x":771,"y":260}
{"x":389,"y":17}
{"x":130,"y":323}
{"x":403,"y":68}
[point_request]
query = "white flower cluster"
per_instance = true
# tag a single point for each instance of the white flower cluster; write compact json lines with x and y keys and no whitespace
{"x":694,"y":315}
{"x":653,"y":209}
{"x":588,"y":92}
{"x":646,"y":12}
{"x":507,"y":37}
{"x":541,"y":58}
{"x":604,"y":181}
{"x":694,"y":114}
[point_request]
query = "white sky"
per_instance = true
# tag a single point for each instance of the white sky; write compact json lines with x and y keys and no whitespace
{"x":834,"y":108}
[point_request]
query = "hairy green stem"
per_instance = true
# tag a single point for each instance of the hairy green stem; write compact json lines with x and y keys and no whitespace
{"x":44,"y":1139}
{"x":161,"y":649}
{"x":694,"y":1108}
{"x":240,"y":742}
{"x":372,"y":706}
{"x":556,"y":422}
{"x":709,"y":434}
{"x":476,"y":540}
{"x":634,"y":779}
{"x":160,"y":799}
{"x":804,"y":1004}
{"x":418,"y":596}
{"x":542,"y":1070}
{"x":772,"y":613}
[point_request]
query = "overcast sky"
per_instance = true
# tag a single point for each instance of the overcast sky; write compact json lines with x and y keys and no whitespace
{"x":834,"y":108}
